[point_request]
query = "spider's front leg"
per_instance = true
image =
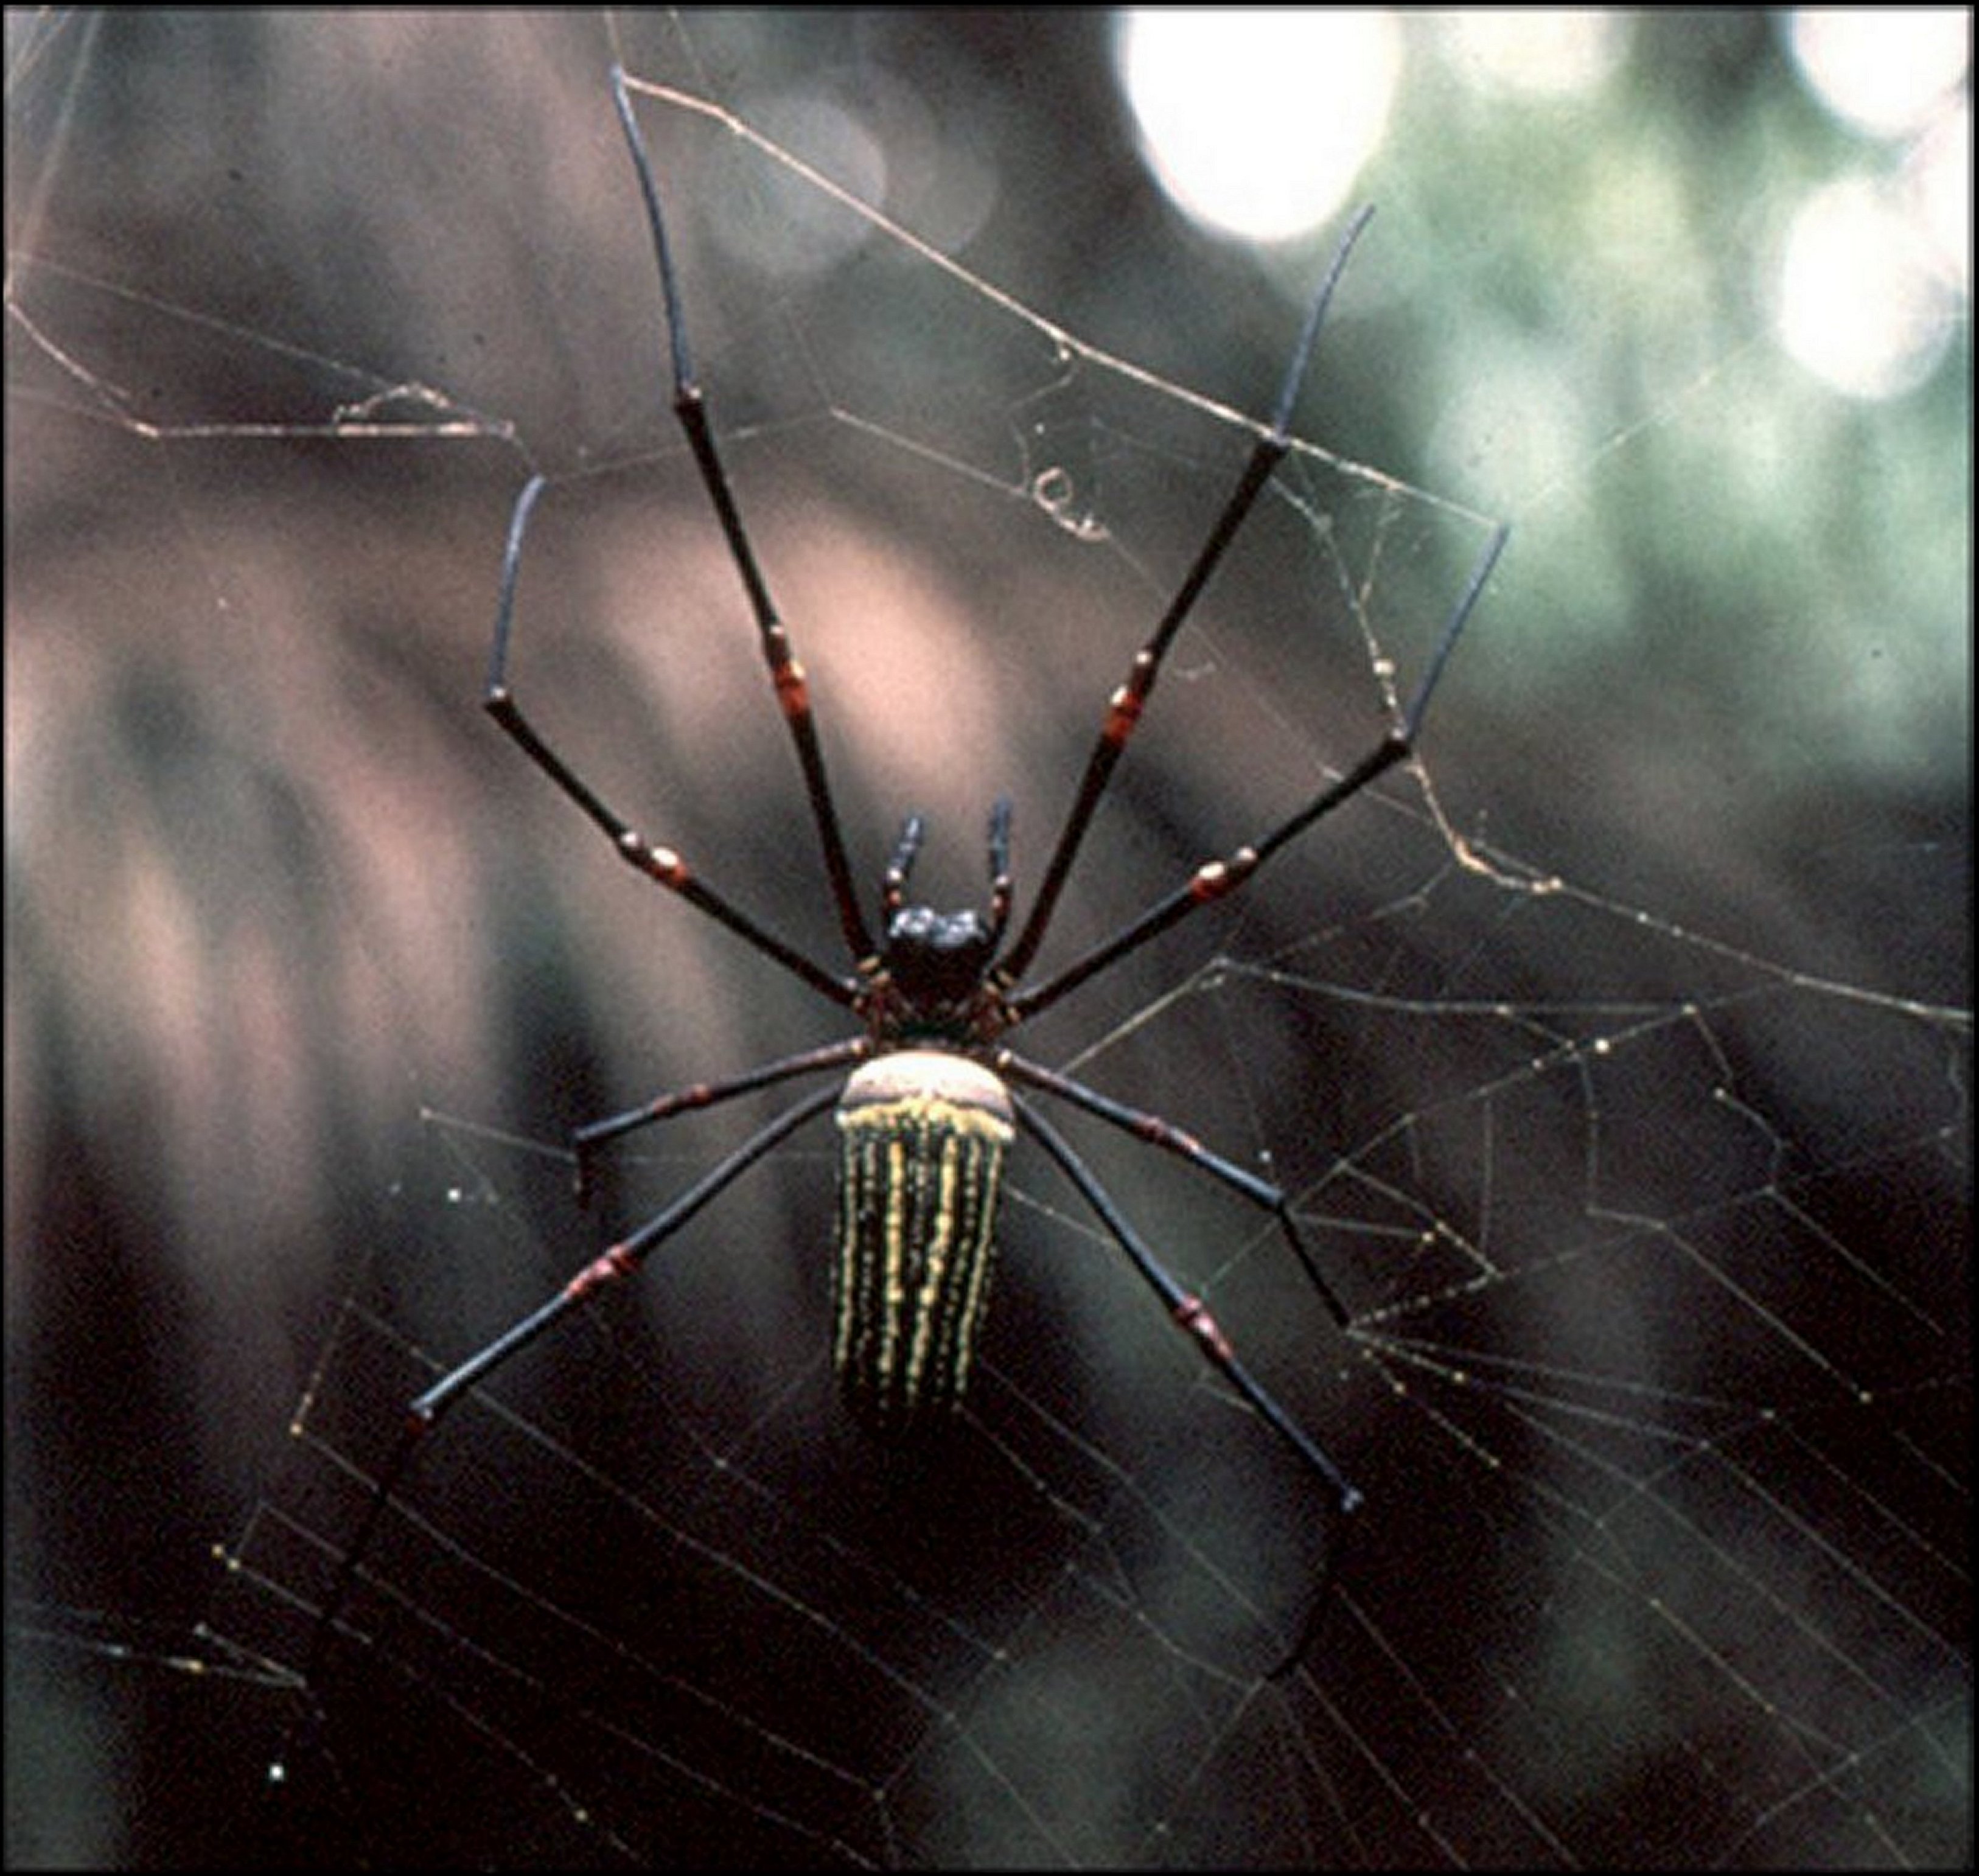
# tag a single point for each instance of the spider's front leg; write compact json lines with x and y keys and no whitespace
{"x":787,"y":674}
{"x":660,"y":863}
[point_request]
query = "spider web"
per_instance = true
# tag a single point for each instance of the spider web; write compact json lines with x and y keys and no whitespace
{"x":1616,"y":1059}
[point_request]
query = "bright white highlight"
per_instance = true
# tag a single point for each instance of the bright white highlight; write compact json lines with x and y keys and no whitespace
{"x":1858,"y":303}
{"x":1938,"y":178}
{"x":1257,"y":123}
{"x":1885,"y":69}
{"x":1874,"y":273}
{"x":1538,"y":53}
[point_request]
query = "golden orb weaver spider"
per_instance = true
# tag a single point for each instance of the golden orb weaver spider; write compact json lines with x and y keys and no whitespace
{"x":928,"y":1109}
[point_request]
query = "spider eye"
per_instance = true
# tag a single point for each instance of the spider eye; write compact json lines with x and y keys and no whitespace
{"x":921,"y":928}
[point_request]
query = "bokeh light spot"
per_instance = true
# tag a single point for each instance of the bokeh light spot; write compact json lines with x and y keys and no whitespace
{"x":1257,"y":123}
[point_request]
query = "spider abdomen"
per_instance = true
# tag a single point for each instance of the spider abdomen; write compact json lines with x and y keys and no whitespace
{"x":922,"y":1136}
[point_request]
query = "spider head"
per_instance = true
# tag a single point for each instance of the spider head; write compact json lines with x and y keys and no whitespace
{"x":937,"y":959}
{"x":935,"y":965}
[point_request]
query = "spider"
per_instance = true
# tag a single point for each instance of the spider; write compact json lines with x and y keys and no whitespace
{"x":931,"y":1103}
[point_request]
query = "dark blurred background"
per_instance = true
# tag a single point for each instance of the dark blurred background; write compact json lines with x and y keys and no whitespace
{"x":297,"y":301}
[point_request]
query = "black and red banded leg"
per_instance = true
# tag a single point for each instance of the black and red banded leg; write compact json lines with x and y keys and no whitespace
{"x":1127,"y":705}
{"x":787,"y":674}
{"x":1158,"y":1132}
{"x":1216,"y":879}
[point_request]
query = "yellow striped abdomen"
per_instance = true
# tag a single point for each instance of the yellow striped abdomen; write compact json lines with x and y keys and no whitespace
{"x":922,"y":1136}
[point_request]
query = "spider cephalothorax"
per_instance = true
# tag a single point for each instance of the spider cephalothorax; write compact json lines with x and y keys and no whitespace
{"x":931,"y":979}
{"x":936,"y":961}
{"x":930,"y":1106}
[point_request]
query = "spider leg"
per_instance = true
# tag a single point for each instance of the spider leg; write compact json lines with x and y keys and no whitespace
{"x":1215,"y":878}
{"x":1170,"y":1138}
{"x":586,"y":1141}
{"x":793,"y":694}
{"x":1188,"y":1311}
{"x":901,"y":867}
{"x":1003,"y":885}
{"x":658,"y":863}
{"x":1124,"y":707}
{"x":619,"y":1260}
